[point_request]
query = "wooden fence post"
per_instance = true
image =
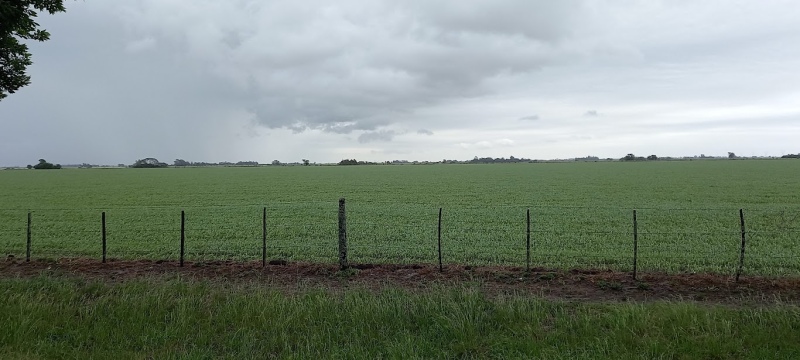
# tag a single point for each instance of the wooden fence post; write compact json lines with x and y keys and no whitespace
{"x":528,"y":241}
{"x":635,"y":243}
{"x":439,"y":237}
{"x":342,"y":236}
{"x":264,"y":238}
{"x":28,"y":242}
{"x":103,"y":221}
{"x":183,"y":235}
{"x":741,"y":251}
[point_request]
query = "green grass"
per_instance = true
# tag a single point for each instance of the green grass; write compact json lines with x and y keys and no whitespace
{"x":581,"y":213}
{"x":58,"y":317}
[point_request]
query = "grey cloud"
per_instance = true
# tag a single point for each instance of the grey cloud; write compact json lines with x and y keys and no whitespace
{"x":591,"y":113}
{"x":530,"y":118}
{"x":424,"y":132}
{"x":305,"y":67}
{"x":372,"y":136}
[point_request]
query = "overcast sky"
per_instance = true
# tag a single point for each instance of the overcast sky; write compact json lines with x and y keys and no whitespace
{"x":231,"y":80}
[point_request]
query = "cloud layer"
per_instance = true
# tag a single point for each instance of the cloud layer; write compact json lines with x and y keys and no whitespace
{"x":222,"y":79}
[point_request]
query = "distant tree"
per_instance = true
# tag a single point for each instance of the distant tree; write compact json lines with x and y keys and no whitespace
{"x":731,"y":155}
{"x":43,"y":164}
{"x":306,"y":162}
{"x":247,"y":163}
{"x":30,"y":166}
{"x":791,"y":156}
{"x":276,"y":162}
{"x":181,"y":162}
{"x":629,"y":157}
{"x":148,"y":163}
{"x":348,"y":162}
{"x":652,"y":157}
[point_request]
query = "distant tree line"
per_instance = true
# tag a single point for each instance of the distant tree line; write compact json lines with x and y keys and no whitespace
{"x":148,"y":163}
{"x":501,"y":160}
{"x":43,"y":164}
{"x":791,"y":156}
{"x":632,"y":157}
{"x":181,"y":162}
{"x":356,"y":162}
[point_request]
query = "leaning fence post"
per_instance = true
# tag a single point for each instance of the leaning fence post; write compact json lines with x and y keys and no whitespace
{"x":741,"y":251}
{"x":103,"y":221}
{"x":264,"y":238}
{"x":635,"y":243}
{"x":528,"y":241}
{"x":183,"y":235}
{"x":28,"y":243}
{"x":342,"y":236}
{"x":439,"y":237}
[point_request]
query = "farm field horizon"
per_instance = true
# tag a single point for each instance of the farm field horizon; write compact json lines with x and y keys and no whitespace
{"x":581,"y":213}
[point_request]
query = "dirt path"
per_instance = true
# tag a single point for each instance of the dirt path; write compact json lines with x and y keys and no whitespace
{"x":574,"y":285}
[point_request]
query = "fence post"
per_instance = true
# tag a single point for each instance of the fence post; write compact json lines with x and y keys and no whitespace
{"x":342,"y":236}
{"x":103,"y":221}
{"x":28,"y":243}
{"x":741,"y":251}
{"x":528,"y":241}
{"x":635,"y":243}
{"x":439,"y":237}
{"x":264,"y":238}
{"x":183,"y":235}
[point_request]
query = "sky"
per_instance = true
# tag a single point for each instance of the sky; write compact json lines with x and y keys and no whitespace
{"x":248,"y":80}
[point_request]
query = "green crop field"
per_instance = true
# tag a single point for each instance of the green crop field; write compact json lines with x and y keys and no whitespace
{"x":581,"y":213}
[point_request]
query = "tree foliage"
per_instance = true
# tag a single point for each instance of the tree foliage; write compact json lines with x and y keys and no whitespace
{"x":148,"y":163}
{"x":632,"y":157}
{"x":43,"y":164}
{"x":17,"y":22}
{"x":356,"y":162}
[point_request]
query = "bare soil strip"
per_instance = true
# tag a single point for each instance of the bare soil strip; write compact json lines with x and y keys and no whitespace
{"x":564,"y":285}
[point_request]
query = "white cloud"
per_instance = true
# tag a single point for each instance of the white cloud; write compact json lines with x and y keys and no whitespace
{"x":487,"y":144}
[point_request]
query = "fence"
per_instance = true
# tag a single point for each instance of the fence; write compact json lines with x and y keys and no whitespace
{"x":672,"y":240}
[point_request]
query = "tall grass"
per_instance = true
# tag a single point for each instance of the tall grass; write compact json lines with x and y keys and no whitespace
{"x":57,"y":317}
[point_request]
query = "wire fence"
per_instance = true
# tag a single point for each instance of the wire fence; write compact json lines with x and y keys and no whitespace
{"x":670,"y":240}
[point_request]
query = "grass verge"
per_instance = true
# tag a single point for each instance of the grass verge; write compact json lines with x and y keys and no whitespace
{"x":63,"y":317}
